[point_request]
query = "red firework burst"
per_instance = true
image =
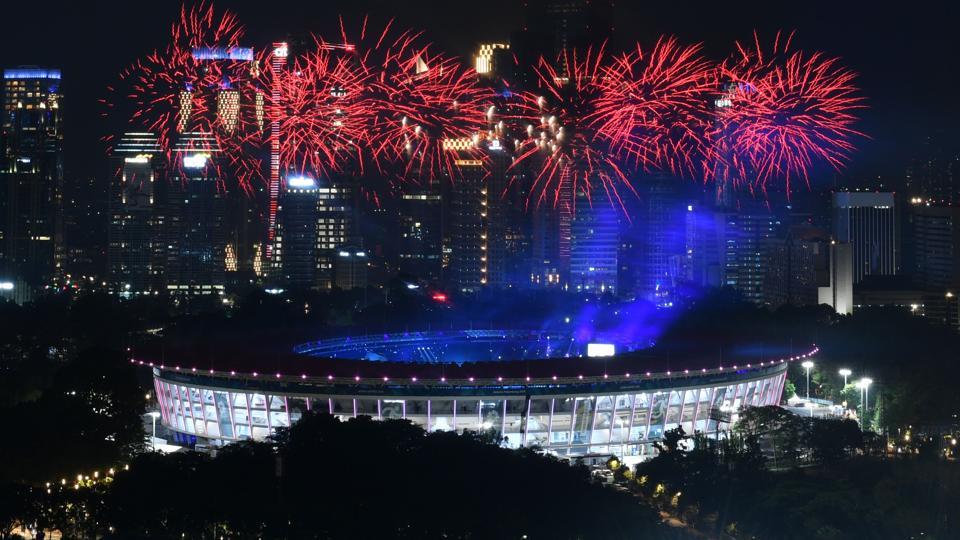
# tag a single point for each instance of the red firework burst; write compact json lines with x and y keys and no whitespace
{"x":320,"y":124}
{"x":653,"y":107}
{"x":563,"y":143}
{"x":785,"y":113}
{"x":424,"y":109}
{"x":185,"y":87}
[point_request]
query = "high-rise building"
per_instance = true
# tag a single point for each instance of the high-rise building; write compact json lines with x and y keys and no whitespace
{"x":663,"y":246}
{"x":745,"y":236}
{"x":31,"y":175}
{"x":838,"y":293}
{"x":868,"y":222}
{"x":936,"y":247}
{"x":796,"y":265}
{"x":85,"y":222}
{"x":469,"y":217}
{"x":549,"y":267}
{"x":594,"y":247}
{"x":420,"y":232}
{"x":295,"y":244}
{"x":134,"y":244}
{"x":934,"y":175}
{"x":193,"y":219}
{"x":704,"y":247}
{"x":336,"y":221}
{"x":351,"y":268}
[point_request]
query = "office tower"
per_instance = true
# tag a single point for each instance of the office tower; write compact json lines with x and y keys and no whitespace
{"x":936,"y":247}
{"x":351,"y":268}
{"x":934,"y":175}
{"x":796,"y":265}
{"x":548,"y":268}
{"x":468,"y":224}
{"x":838,"y":293}
{"x":134,"y":243}
{"x":868,"y":221}
{"x":278,"y":63}
{"x":193,"y":222}
{"x":420,"y":232}
{"x":86,"y":216}
{"x":704,"y":247}
{"x":745,"y":237}
{"x":507,"y":231}
{"x":336,"y":221}
{"x":594,"y":247}
{"x":663,"y":242}
{"x":31,"y":175}
{"x":246,"y":225}
{"x":296,"y":242}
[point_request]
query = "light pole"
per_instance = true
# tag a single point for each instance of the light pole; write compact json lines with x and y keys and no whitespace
{"x":153,"y":440}
{"x":867,"y":381}
{"x":844,"y":372}
{"x":864,"y":386}
{"x":807,"y":366}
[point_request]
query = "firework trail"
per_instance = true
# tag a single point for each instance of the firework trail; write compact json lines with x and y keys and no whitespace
{"x":653,"y":107}
{"x":321,"y":125}
{"x":194,"y":86}
{"x":425,"y":110}
{"x":784,"y":113}
{"x":563,"y":143}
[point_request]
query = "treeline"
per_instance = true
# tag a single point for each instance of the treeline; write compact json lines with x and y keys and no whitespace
{"x":324,"y":478}
{"x":781,"y":476}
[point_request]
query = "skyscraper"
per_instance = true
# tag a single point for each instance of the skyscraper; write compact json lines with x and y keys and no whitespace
{"x":335,"y":225}
{"x":295,"y":244}
{"x":594,"y":247}
{"x":134,"y":245}
{"x":351,"y":268}
{"x":662,"y":246}
{"x":745,"y":237}
{"x":936,"y":247}
{"x":868,"y":221}
{"x":193,"y":210}
{"x":420,"y":232}
{"x":31,"y":174}
{"x":468,"y":227}
{"x":796,"y":264}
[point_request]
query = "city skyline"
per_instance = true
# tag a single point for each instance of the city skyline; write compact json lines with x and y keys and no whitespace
{"x":892,"y":66}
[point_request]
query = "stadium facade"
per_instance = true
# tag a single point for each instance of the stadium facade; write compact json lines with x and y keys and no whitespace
{"x":566,"y":402}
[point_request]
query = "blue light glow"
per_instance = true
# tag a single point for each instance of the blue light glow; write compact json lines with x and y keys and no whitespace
{"x":31,"y":73}
{"x":242,"y":54}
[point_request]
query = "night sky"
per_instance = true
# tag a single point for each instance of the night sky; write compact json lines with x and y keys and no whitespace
{"x":907,"y":57}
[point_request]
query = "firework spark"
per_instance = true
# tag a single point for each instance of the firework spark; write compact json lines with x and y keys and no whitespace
{"x":186,"y":88}
{"x":785,"y":113}
{"x":320,"y":122}
{"x":562,"y":141}
{"x":423,"y":109}
{"x":653,"y":107}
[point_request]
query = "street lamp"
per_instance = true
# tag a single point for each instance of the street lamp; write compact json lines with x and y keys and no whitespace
{"x":844,"y":372}
{"x":153,"y":440}
{"x":867,"y":381}
{"x":864,"y":386}
{"x":807,"y":366}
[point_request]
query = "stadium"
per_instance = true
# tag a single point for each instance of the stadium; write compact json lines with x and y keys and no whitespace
{"x":568,"y":396}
